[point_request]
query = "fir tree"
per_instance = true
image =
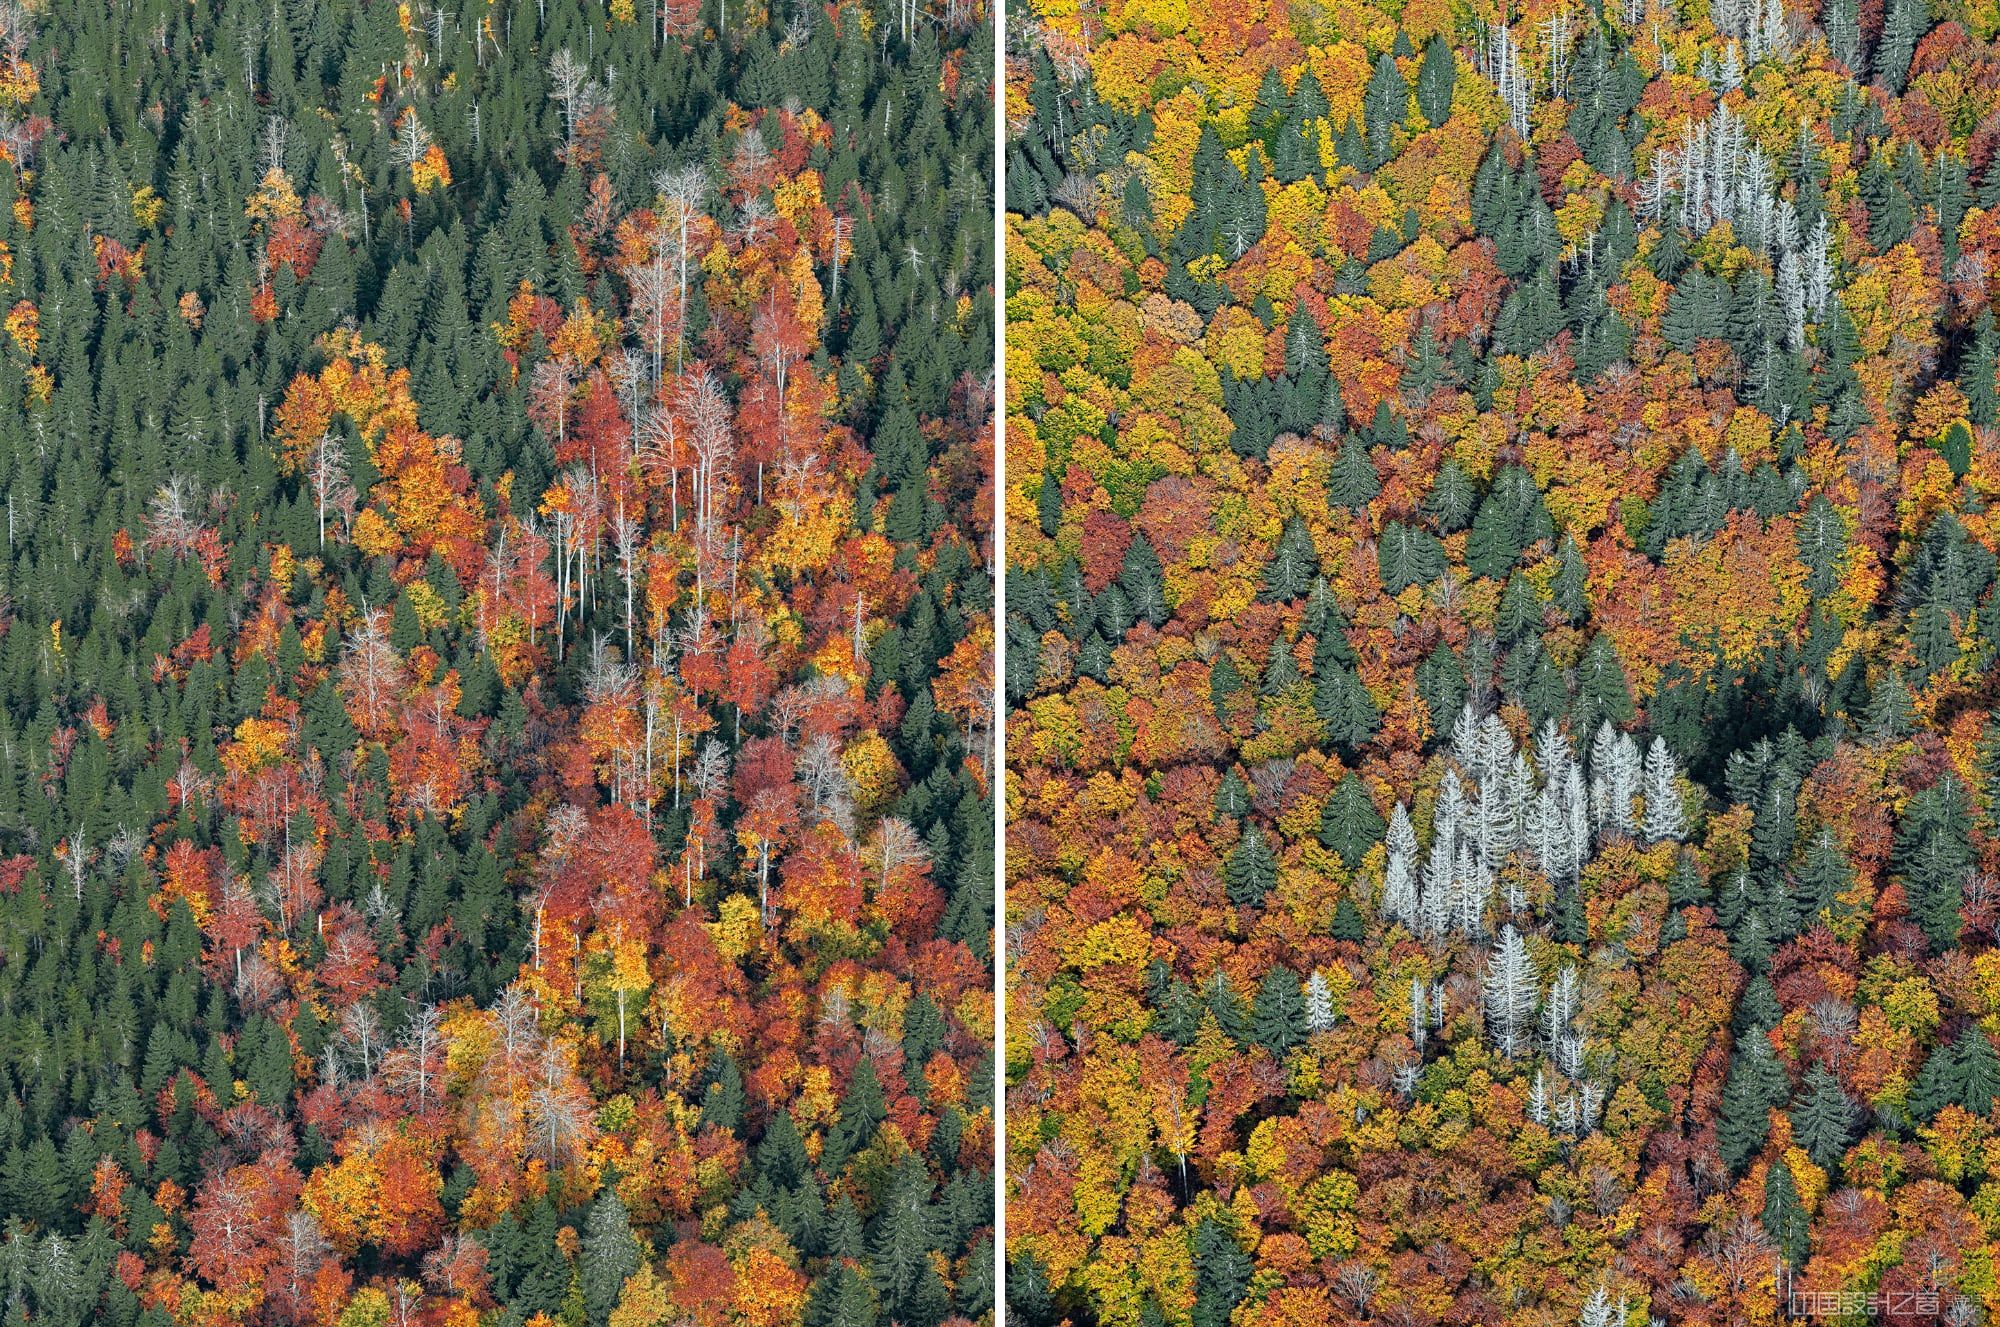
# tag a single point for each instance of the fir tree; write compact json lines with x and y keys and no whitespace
{"x":1756,"y":1085}
{"x":1278,"y":1019}
{"x":1785,"y":1218}
{"x":1294,"y":566}
{"x":1823,"y":1117}
{"x":1350,"y":824}
{"x":1252,"y":869}
{"x":610,"y":1255}
{"x":1437,"y":77}
{"x":1353,"y":483}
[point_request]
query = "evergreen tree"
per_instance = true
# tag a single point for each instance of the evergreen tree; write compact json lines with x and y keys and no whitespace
{"x":1785,"y":1218}
{"x":1293,"y":567}
{"x":1437,"y":77}
{"x":1350,"y":824}
{"x":1408,"y":556}
{"x":1353,"y":483}
{"x":1933,"y":854}
{"x":1232,"y":797}
{"x":1823,"y":1117}
{"x":1277,"y":1020}
{"x":1964,"y":1072}
{"x":1756,"y":1085}
{"x":1345,"y":707}
{"x":1252,"y":870}
{"x":610,"y":1255}
{"x":1221,"y":1273}
{"x":1385,"y":108}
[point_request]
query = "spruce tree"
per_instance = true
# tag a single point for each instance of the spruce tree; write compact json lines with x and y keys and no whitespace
{"x":1294,"y":565}
{"x":1823,"y":1117}
{"x":1785,"y":1218}
{"x":610,"y":1255}
{"x":1252,"y":869}
{"x":1756,"y":1085}
{"x":1277,"y":1020}
{"x":1437,"y":77}
{"x":1350,"y":824}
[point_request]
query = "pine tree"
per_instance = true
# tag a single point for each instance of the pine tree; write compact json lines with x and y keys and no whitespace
{"x":1756,"y":1085}
{"x":1823,"y":1117}
{"x":1278,"y":1018}
{"x":610,"y":1255}
{"x":1350,"y":824}
{"x":1437,"y":77}
{"x":1293,"y":567}
{"x":1252,"y":869}
{"x":1785,"y":1219}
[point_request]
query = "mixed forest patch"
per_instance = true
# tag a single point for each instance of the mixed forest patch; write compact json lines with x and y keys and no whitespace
{"x":1504,"y":787}
{"x":495,"y":634}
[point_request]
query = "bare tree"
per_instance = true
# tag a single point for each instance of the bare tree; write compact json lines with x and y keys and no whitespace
{"x":1510,"y":990}
{"x":413,"y":1066}
{"x":560,"y":1110}
{"x":171,"y":526}
{"x":327,"y":474}
{"x":1355,"y":1282}
{"x":361,"y":1028}
{"x":897,"y":844}
{"x":564,"y":830}
{"x":707,"y":411}
{"x":569,"y":78}
{"x":683,"y":191}
{"x":628,"y":538}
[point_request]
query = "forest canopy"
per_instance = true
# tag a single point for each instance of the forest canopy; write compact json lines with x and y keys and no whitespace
{"x":1501,"y":624}
{"x":495,"y":637}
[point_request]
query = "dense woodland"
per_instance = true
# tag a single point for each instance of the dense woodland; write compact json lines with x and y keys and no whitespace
{"x":495,"y":821}
{"x":1504,"y":783}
